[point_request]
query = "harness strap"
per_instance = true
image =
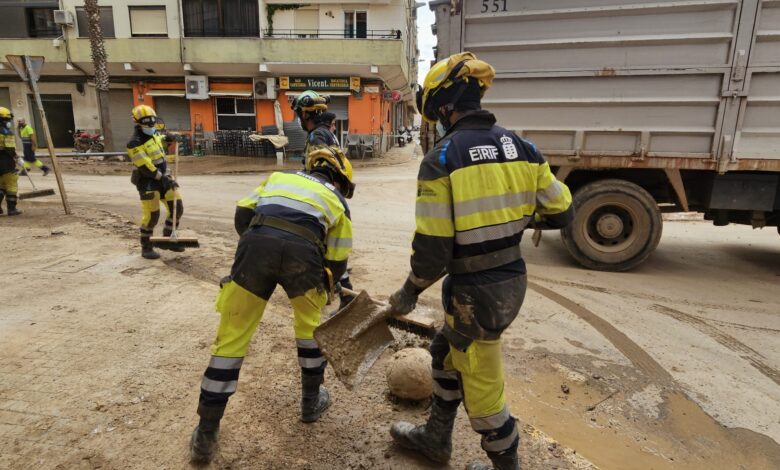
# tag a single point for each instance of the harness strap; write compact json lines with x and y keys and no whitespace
{"x":281,"y":224}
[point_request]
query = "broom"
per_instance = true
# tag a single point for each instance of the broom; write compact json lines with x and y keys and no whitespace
{"x":35,"y":192}
{"x":174,"y":240}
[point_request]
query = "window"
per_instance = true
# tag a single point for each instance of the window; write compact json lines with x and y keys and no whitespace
{"x":106,"y":22}
{"x":148,"y":22}
{"x":218,"y":18}
{"x":235,"y":114}
{"x":40,"y":23}
{"x":355,"y":24}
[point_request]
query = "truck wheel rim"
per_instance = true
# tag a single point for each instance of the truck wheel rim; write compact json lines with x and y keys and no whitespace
{"x":611,"y":228}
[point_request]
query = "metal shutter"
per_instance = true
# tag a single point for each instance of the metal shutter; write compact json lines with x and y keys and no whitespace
{"x":339,"y":105}
{"x":120,"y":103}
{"x":175,"y":112}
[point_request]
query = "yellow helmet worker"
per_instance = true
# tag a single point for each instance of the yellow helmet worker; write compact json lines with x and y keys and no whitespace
{"x":295,"y":230}
{"x":8,"y":175}
{"x":152,"y":178}
{"x":477,"y":190}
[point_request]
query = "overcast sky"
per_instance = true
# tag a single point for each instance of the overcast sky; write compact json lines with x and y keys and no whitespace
{"x":425,"y":39}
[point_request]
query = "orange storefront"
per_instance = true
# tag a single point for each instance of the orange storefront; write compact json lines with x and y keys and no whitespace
{"x":231,"y":106}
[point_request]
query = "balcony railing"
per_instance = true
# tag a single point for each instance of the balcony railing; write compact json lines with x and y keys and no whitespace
{"x":332,"y":33}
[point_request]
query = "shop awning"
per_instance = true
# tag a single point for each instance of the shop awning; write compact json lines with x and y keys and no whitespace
{"x":176,"y":93}
{"x":242,"y":93}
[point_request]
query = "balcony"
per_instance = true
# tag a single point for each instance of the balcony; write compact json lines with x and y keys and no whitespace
{"x":332,"y":34}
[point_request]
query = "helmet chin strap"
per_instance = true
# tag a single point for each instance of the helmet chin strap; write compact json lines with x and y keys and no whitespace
{"x":445,"y":112}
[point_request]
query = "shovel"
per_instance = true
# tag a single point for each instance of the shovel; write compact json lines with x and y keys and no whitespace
{"x":35,"y":192}
{"x":174,"y":240}
{"x":354,"y":338}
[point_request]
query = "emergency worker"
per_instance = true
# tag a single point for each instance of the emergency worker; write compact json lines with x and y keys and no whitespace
{"x":312,"y":110}
{"x":152,"y":178}
{"x":8,"y":175}
{"x":27,"y":134}
{"x":477,"y":190}
{"x":295,"y":231}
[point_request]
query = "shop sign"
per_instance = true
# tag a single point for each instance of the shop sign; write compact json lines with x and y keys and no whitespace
{"x":371,"y":89}
{"x":319,"y":83}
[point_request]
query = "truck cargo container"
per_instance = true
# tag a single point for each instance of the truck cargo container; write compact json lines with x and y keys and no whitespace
{"x":641,"y":107}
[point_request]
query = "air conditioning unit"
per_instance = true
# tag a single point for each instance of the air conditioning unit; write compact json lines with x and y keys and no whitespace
{"x":197,"y":87}
{"x":63,"y":17}
{"x":264,"y":88}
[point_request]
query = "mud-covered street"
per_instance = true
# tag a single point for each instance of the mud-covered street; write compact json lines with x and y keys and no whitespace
{"x":675,"y":365}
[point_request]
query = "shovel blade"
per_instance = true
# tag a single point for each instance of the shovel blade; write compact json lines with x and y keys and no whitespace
{"x":354,"y":338}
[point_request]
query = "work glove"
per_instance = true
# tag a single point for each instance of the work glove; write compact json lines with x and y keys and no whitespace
{"x":404,"y":300}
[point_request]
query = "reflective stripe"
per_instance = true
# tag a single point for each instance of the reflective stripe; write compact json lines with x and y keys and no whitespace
{"x":500,"y":445}
{"x":311,"y":362}
{"x":307,"y":343}
{"x":333,"y":242}
{"x":218,"y":362}
{"x":447,"y":395}
{"x":492,"y":203}
{"x":489,"y":423}
{"x":438,"y":210}
{"x":159,"y":161}
{"x":301,"y":192}
{"x":551,"y":192}
{"x":440,"y":374}
{"x":216,"y":386}
{"x":493,"y":232}
{"x":301,"y":206}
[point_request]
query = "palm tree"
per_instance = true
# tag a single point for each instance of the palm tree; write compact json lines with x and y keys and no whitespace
{"x":100,"y":63}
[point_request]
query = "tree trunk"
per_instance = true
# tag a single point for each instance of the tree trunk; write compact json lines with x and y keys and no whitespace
{"x":100,"y":63}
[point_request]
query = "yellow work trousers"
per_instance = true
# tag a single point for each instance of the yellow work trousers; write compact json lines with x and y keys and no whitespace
{"x":8,"y":183}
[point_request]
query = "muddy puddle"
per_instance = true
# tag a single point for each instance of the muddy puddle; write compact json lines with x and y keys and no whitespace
{"x":681,"y":436}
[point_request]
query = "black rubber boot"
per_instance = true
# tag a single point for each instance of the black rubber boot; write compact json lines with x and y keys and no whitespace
{"x":146,"y":249}
{"x":2,"y":196}
{"x":432,"y":439}
{"x":203,"y":443}
{"x":315,"y":399}
{"x":45,"y":169}
{"x":204,"y":439}
{"x":11,"y":203}
{"x":505,"y":461}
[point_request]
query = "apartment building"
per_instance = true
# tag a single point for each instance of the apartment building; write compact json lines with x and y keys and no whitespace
{"x":216,"y":64}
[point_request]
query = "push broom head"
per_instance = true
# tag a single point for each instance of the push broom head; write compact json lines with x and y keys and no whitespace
{"x":38,"y":193}
{"x":167,"y":242}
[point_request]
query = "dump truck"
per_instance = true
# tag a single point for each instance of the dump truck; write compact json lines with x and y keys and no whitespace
{"x":641,"y":107}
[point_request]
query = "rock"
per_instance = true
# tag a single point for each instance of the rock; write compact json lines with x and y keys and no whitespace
{"x":409,"y":374}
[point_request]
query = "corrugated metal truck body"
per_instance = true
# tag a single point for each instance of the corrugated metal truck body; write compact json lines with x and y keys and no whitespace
{"x":641,"y":106}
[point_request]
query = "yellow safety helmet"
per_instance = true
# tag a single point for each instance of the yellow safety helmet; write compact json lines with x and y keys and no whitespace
{"x":333,"y":157}
{"x":144,"y":115}
{"x":6,"y":113}
{"x":310,"y":102}
{"x":452,"y":74}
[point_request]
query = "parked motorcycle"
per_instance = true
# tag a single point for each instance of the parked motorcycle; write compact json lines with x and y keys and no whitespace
{"x":83,"y":141}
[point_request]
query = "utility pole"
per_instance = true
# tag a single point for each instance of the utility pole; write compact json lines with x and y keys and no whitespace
{"x":100,"y":63}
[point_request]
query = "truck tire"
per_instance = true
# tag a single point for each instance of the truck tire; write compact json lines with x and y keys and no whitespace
{"x":616,"y":226}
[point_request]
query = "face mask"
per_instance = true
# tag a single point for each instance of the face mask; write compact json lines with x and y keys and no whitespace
{"x":9,"y":124}
{"x":440,"y":129}
{"x":148,"y":130}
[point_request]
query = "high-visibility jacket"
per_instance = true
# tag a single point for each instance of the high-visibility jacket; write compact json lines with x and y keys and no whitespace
{"x":477,"y":190}
{"x":26,"y":133}
{"x":307,"y":200}
{"x":148,"y":156}
{"x":7,"y":150}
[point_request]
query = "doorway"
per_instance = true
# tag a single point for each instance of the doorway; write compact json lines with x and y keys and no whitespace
{"x":59,"y":114}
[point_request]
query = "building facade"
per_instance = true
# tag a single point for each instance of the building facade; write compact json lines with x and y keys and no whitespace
{"x":210,"y":65}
